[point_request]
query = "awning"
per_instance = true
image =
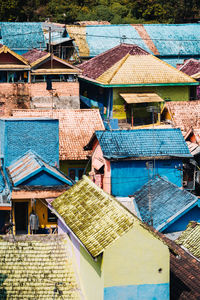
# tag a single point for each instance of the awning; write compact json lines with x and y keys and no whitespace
{"x":141,"y":98}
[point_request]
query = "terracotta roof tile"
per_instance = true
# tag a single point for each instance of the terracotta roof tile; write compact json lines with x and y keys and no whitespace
{"x":76,"y":128}
{"x":190,"y":67}
{"x":33,"y":55}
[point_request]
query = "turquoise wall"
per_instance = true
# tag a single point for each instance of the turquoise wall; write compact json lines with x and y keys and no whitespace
{"x":129,"y":176}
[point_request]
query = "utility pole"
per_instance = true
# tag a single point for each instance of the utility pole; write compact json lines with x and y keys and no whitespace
{"x":50,"y":47}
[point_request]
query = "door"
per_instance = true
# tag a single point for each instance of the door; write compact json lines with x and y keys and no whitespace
{"x":21,"y":217}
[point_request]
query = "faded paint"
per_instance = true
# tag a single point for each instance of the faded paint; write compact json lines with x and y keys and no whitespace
{"x":66,"y":165}
{"x":147,"y":272}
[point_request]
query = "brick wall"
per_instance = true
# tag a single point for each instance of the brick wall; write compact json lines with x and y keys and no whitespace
{"x":26,"y":95}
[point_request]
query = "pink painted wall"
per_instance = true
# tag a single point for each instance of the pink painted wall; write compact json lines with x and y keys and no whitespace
{"x":98,"y":160}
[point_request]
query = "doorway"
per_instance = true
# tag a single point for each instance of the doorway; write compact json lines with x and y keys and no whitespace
{"x":21,"y":217}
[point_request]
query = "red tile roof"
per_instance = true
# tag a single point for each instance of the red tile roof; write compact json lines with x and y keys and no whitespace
{"x":76,"y":127}
{"x":98,"y":65}
{"x":33,"y":55}
{"x":184,"y":114}
{"x":191,"y":67}
{"x":184,"y":273}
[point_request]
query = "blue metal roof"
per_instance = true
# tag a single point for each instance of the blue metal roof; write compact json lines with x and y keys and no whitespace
{"x":168,"y":202}
{"x":175,"y":39}
{"x":31,"y":164}
{"x":101,"y":38}
{"x":20,"y":36}
{"x":142,"y":143}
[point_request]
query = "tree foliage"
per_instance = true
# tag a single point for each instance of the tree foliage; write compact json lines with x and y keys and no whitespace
{"x":115,"y":11}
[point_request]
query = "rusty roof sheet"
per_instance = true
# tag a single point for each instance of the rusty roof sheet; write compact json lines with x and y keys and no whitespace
{"x":76,"y":127}
{"x":95,"y":217}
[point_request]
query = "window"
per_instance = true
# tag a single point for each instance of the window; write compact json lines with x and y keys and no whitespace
{"x":76,"y":173}
{"x":51,"y":217}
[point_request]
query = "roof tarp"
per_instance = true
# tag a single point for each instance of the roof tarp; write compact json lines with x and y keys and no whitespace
{"x":141,"y":98}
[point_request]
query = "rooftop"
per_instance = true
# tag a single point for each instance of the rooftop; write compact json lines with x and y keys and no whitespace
{"x":33,"y":266}
{"x":128,"y":64}
{"x":142,"y":143}
{"x":168,"y":202}
{"x":76,"y":127}
{"x":95,"y":217}
{"x":190,"y":239}
{"x":190,"y":67}
{"x":179,"y":114}
{"x":34,"y":54}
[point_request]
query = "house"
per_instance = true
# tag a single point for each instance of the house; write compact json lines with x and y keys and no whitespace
{"x":54,"y":82}
{"x":14,"y":76}
{"x":125,"y":80}
{"x":166,"y":206}
{"x":191,"y":67}
{"x":29,"y":154}
{"x":24,"y":36}
{"x":119,"y":256}
{"x":184,"y":272}
{"x":32,"y":182}
{"x":189,"y":239}
{"x":38,"y":267}
{"x":76,"y":128}
{"x":124,"y":160}
{"x":172,"y":43}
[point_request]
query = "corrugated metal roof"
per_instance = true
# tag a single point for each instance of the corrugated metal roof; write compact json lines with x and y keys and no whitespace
{"x":22,"y":35}
{"x":175,"y":39}
{"x":166,"y":39}
{"x":76,"y":127}
{"x":95,"y":217}
{"x":190,"y":239}
{"x":168,"y":201}
{"x":30,"y":164}
{"x":141,"y":98}
{"x":130,"y":65}
{"x":142,"y":143}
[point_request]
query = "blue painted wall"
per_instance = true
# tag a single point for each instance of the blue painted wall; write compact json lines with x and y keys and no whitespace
{"x":20,"y":135}
{"x":138,"y":292}
{"x":181,"y":224}
{"x":129,"y":176}
{"x":44,"y":179}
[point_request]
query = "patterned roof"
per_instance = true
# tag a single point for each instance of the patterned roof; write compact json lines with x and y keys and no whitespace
{"x":142,"y":143}
{"x":29,"y":165}
{"x":22,"y":36}
{"x":32,"y":265}
{"x":190,"y":239}
{"x":168,"y":201}
{"x":190,"y":67}
{"x":184,"y":273}
{"x":95,"y":217}
{"x":34,"y":54}
{"x":131,"y":65}
{"x":180,"y":116}
{"x":76,"y":127}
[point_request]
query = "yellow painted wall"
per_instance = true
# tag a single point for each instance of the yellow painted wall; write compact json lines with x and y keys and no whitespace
{"x":41,"y":211}
{"x":91,"y":276}
{"x":65,"y":165}
{"x":173,"y":93}
{"x":135,"y":259}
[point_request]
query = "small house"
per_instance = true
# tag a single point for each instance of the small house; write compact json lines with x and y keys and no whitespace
{"x":117,"y":255}
{"x":125,"y":80}
{"x":167,"y":207}
{"x":76,"y":128}
{"x":124,"y":160}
